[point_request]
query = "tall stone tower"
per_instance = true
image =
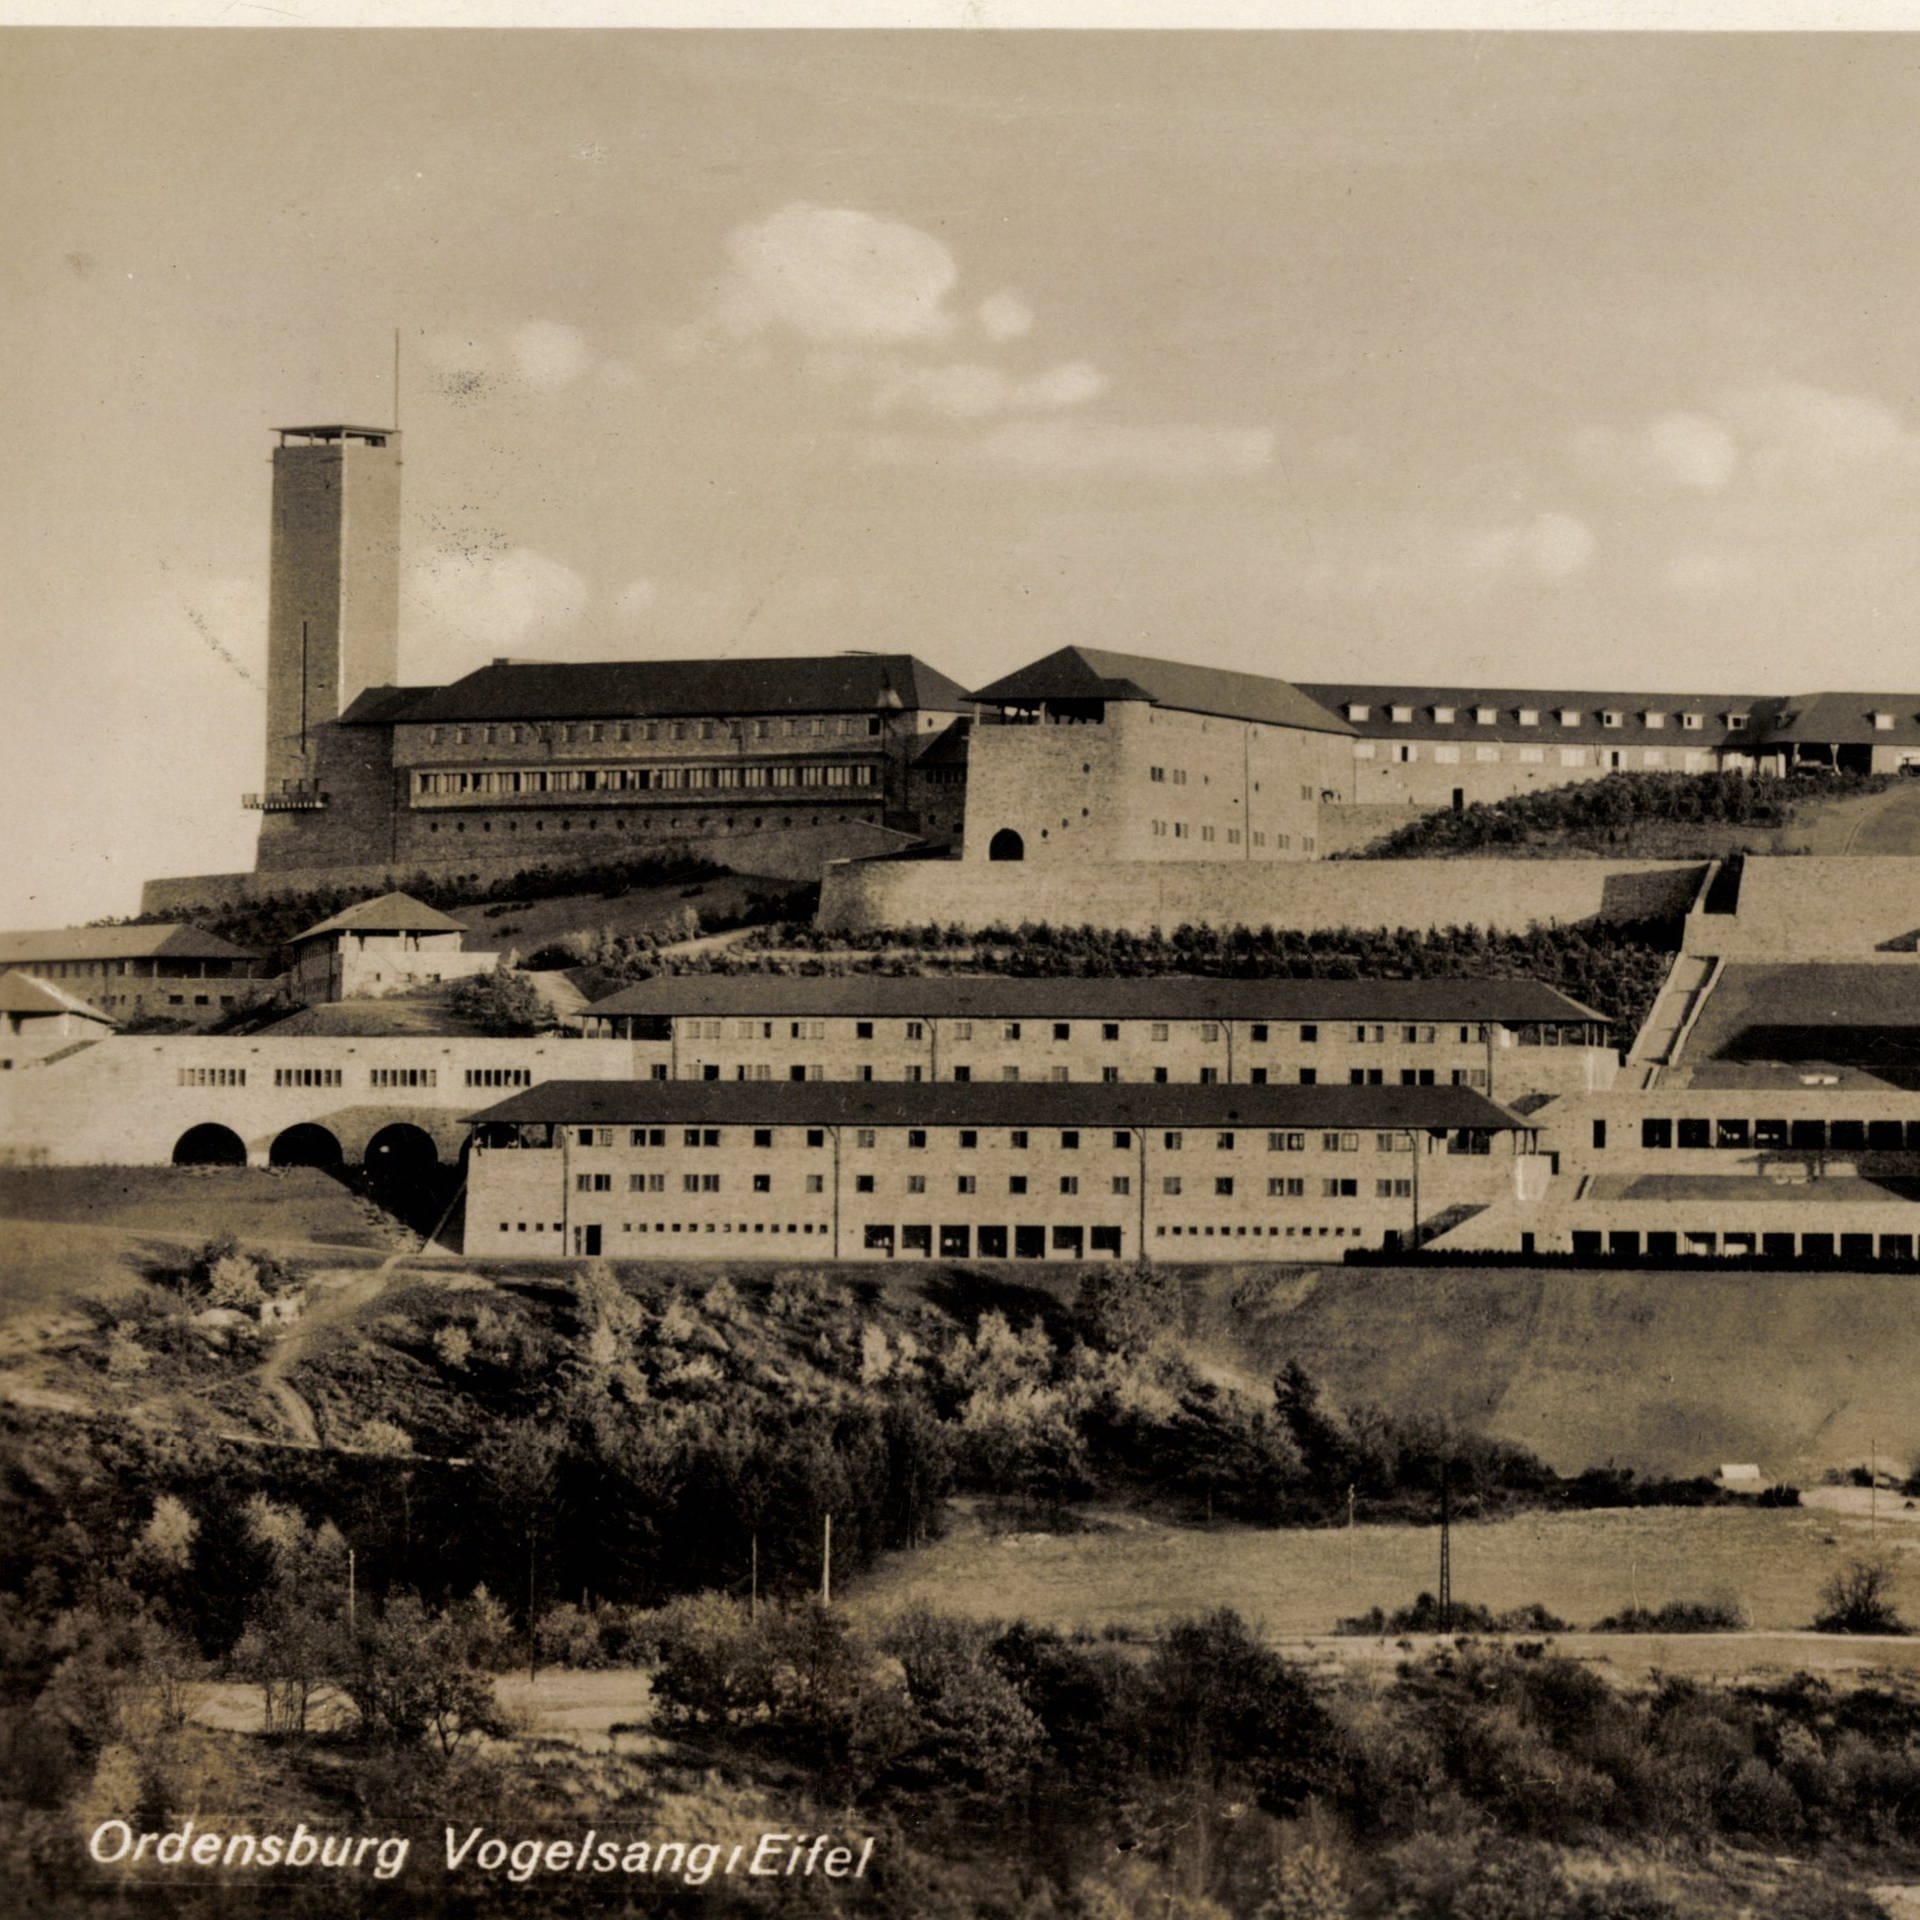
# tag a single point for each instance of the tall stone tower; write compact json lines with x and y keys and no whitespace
{"x":333,"y":617}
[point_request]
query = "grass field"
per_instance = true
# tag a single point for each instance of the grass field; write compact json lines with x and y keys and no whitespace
{"x":68,"y":1231}
{"x":1581,"y":1566}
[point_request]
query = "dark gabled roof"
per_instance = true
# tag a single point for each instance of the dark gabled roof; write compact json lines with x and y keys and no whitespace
{"x":630,"y":689}
{"x":1846,"y":719}
{"x":1091,"y":673}
{"x":1549,"y":703}
{"x":159,"y":940}
{"x":948,"y":1103}
{"x":948,"y":747}
{"x":388,"y":913}
{"x":382,"y":706}
{"x":1176,"y":997}
{"x":21,"y":993}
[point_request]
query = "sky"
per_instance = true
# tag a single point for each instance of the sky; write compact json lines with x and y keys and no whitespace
{"x":1562,"y":359}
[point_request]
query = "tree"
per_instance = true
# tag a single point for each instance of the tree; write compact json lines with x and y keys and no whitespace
{"x":504,"y":1002}
{"x":414,"y":1679}
{"x":1856,"y":1600}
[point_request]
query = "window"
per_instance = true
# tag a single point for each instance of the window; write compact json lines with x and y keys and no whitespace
{"x":1016,"y":1183}
{"x":916,"y":1136}
{"x":499,"y":1076}
{"x":1011,"y":1030}
{"x":1393,"y":1189}
{"x":1656,"y":1133}
{"x":1340,"y":1189}
{"x":816,"y":1136}
{"x":213,"y":1076}
{"x":1401,"y":715}
{"x":593,"y":1183}
{"x":1692,"y":722}
{"x":963,"y":1030}
{"x":1224,"y":1142}
{"x":646,"y":1183}
{"x":763,"y":1183}
{"x":1443,"y":716}
{"x":1447,"y":756}
{"x":405,"y":1077}
{"x":1286,"y":1142}
{"x":969,"y":1139}
{"x":1532,"y":756}
{"x":863,"y":1029}
{"x":1340,"y":1143}
{"x":647,"y":1137}
{"x":863,"y":1183}
{"x":763,"y":1136}
{"x":306,"y":1076}
{"x":1110,"y":1030}
{"x":966,"y":1183}
{"x":916,"y":1030}
{"x":1158,"y":1030}
{"x":1070,"y":1140}
{"x":1069,"y":1183}
{"x":1485,"y":716}
{"x":1529,"y":716}
{"x":1696,"y":1133}
{"x":1223,"y":1184}
{"x":1355,"y":711}
{"x":1613,"y":719}
{"x":1170,"y":1184}
{"x":1062,"y":1030}
{"x":594,"y":1137}
{"x":1122,"y":1183}
{"x":916,"y":1183}
{"x":1017,"y":1139}
{"x":816,"y":1183}
{"x":1122,"y":1139}
{"x":1736,"y":722}
{"x":1172,"y":1141}
{"x":1883,"y":723}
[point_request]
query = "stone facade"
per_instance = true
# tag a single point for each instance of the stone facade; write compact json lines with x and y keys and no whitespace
{"x":131,"y":1100}
{"x":674,"y":1177}
{"x":1504,"y":1039}
{"x":1139,"y":896}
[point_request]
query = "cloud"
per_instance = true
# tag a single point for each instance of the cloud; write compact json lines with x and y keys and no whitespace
{"x":1167,"y":452}
{"x":548,"y":355}
{"x":1550,"y":546}
{"x":835,"y":275}
{"x":1005,"y":316}
{"x":1813,"y":433}
{"x":972,"y":390}
{"x":478,"y":600}
{"x":1690,"y":450}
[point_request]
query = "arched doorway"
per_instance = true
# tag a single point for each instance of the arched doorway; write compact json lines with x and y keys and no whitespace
{"x":1006,"y":845}
{"x":209,"y":1146}
{"x":401,"y":1149}
{"x":305,"y":1146}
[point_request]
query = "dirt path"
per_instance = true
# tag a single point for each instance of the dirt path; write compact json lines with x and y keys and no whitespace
{"x":338,"y":1304}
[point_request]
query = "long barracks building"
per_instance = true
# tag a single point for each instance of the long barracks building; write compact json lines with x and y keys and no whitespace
{"x":856,"y":1172}
{"x":1504,"y":1038}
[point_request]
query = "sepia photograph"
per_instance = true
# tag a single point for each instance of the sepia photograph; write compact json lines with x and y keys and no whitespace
{"x":959,"y":971}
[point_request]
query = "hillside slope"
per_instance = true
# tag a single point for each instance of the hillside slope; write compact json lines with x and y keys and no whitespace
{"x":1661,"y":1372}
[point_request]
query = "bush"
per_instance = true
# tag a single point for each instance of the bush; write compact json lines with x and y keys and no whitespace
{"x":504,"y":1002}
{"x":1856,"y":1600}
{"x":1464,"y":1616}
{"x":1676,"y":1616}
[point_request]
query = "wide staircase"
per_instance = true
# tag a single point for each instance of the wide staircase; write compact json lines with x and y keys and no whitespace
{"x":1658,"y":1043}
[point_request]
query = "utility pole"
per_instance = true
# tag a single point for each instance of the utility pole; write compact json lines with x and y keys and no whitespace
{"x":1873,"y":1487}
{"x":350,"y":1591}
{"x":753,"y":1588}
{"x":1446,"y":1552}
{"x":826,"y":1563}
{"x":1349,"y":1535}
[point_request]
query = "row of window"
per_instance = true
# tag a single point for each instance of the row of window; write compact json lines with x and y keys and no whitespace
{"x":1258,"y":1032}
{"x":1652,"y":719}
{"x":589,"y":732}
{"x":1068,"y":1139}
{"x":1885,"y":1136}
{"x":954,"y":1241}
{"x":625,"y":822}
{"x":1179,"y":830}
{"x":334,"y":1077}
{"x":1286,"y":1187}
{"x":753,"y":773}
{"x":1740,"y":1245}
{"x":1405,"y":753}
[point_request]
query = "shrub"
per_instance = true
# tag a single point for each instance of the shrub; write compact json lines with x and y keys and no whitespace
{"x":1856,"y":1600}
{"x":1676,"y":1616}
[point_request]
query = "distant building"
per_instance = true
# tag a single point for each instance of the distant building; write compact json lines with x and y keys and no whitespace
{"x":38,"y":1019}
{"x":544,"y":761}
{"x":1094,"y":757}
{"x":381,"y":946}
{"x":129,"y":973}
